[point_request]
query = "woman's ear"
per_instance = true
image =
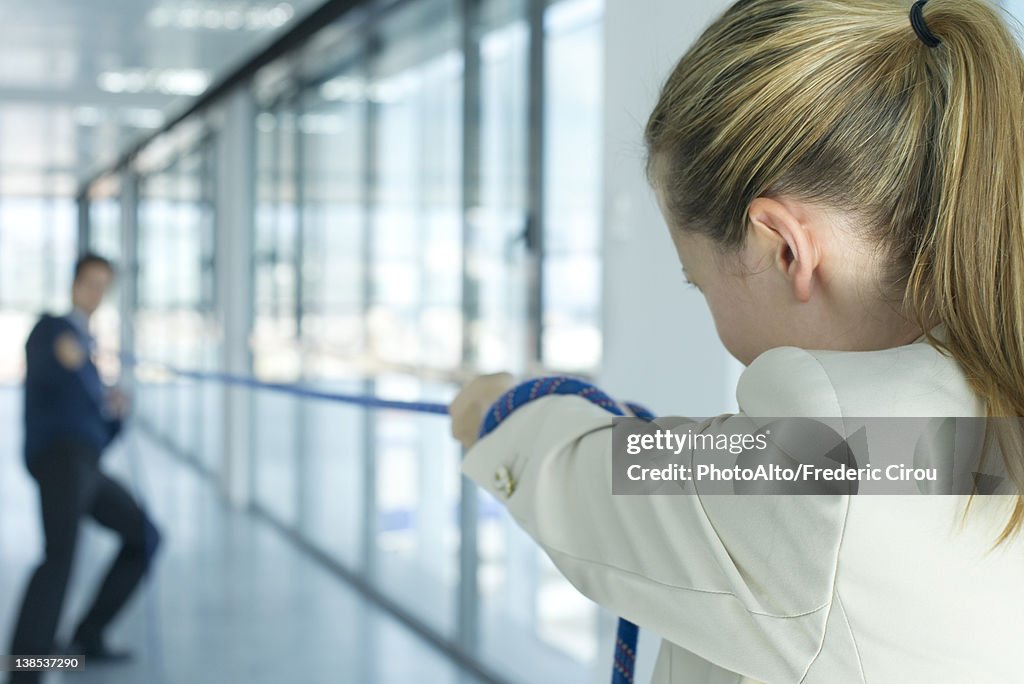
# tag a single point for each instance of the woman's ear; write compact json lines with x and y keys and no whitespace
{"x":782,"y":235}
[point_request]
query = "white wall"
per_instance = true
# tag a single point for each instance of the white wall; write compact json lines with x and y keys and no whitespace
{"x":1016,"y":8}
{"x":660,"y":346}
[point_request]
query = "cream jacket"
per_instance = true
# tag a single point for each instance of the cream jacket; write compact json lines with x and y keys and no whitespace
{"x":829,"y":589}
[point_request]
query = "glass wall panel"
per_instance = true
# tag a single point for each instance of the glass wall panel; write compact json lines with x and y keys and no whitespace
{"x":333,"y":173}
{"x":105,"y":239}
{"x":387,"y":262}
{"x":154,"y":330}
{"x":364,"y":210}
{"x":572,"y":159}
{"x":175,"y":320}
{"x":415,"y":311}
{"x":416,"y":529}
{"x":334,"y":220}
{"x":38,"y":242}
{"x":414,"y":318}
{"x":276,"y":352}
{"x":334,"y":495}
{"x":498,"y":259}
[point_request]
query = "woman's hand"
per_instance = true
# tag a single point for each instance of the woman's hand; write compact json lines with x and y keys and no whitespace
{"x":468,"y":408}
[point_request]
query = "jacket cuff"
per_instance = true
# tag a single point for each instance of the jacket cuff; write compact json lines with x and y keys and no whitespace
{"x":500,"y":462}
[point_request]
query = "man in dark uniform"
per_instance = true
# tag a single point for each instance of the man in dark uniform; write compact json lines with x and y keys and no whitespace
{"x":70,"y":417}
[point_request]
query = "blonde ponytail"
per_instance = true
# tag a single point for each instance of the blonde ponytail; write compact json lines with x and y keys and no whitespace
{"x":970,"y":269}
{"x":841,"y":102}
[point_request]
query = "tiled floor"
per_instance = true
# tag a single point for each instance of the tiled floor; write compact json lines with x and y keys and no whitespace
{"x":230,"y":599}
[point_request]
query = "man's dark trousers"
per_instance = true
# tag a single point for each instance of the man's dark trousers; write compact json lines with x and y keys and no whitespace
{"x":71,"y":485}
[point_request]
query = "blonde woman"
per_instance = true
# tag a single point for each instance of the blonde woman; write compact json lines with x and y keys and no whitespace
{"x":844,"y":182}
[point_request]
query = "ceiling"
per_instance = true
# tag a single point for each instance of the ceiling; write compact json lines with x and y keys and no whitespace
{"x":80,"y":80}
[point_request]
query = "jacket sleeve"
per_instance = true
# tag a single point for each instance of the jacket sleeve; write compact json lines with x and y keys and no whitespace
{"x":743,"y":581}
{"x":41,"y":362}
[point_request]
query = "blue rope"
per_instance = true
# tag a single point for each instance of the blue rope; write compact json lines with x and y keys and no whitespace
{"x":626,"y":633}
{"x":301,"y":391}
{"x":534,"y":389}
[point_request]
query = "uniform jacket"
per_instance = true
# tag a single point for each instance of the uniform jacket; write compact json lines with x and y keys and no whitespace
{"x":62,"y":403}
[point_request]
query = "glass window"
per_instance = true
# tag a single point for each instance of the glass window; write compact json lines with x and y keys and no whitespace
{"x":275,"y":309}
{"x":275,"y":338}
{"x":414,"y":315}
{"x":105,"y":233}
{"x":334,"y":225}
{"x":38,"y":243}
{"x":175,"y":320}
{"x":390,"y":259}
{"x":369,"y":225}
{"x":415,"y":306}
{"x":497,"y":262}
{"x":572,"y":160}
{"x":334,"y":214}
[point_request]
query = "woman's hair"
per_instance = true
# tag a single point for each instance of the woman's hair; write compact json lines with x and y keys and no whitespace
{"x":839,"y":102}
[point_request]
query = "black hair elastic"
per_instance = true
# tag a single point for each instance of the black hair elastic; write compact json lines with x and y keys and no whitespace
{"x":920,"y":27}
